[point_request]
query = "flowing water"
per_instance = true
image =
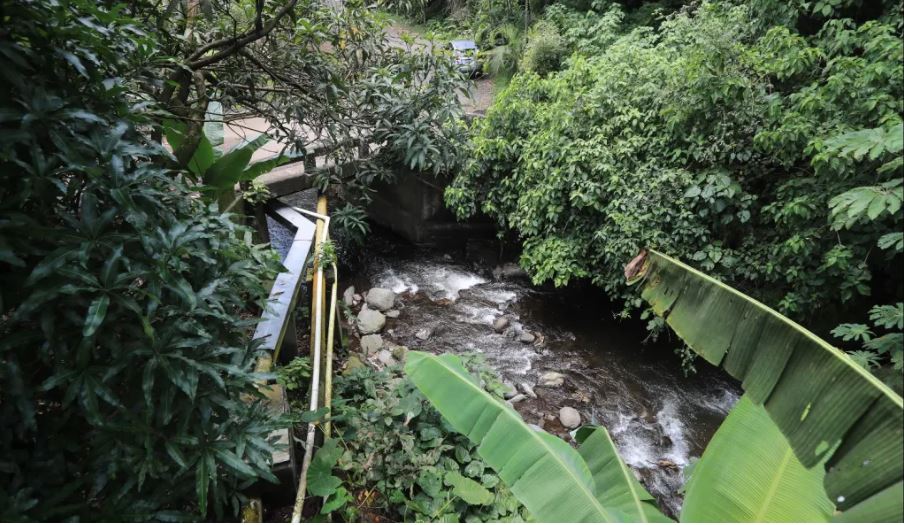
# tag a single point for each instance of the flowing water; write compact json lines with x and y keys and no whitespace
{"x":659,"y":419}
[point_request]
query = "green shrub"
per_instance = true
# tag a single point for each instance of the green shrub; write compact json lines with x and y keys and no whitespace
{"x":126,"y":365}
{"x":545,"y":50}
{"x":403,"y":460}
{"x":754,"y":153}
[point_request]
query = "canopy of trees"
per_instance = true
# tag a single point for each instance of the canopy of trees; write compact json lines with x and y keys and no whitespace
{"x":759,"y":141}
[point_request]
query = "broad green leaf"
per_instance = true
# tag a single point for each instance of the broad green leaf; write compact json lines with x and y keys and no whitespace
{"x":202,"y":482}
{"x":203,"y":157}
{"x":546,"y":475}
{"x":228,"y":169}
{"x":616,"y":485}
{"x":321,"y":481}
{"x":830,"y":409}
{"x":469,"y":490}
{"x":235,"y":463}
{"x":749,"y":473}
{"x":883,"y":507}
{"x":96,"y":314}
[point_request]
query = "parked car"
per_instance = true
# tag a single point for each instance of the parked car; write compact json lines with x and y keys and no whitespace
{"x":465,"y":54}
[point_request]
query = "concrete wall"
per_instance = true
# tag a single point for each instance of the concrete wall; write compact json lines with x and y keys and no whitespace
{"x":412,"y":206}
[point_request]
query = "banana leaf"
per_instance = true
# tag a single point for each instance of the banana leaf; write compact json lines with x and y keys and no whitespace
{"x":231,"y":168}
{"x":832,"y":411}
{"x":616,"y":486}
{"x":749,"y":473}
{"x":547,"y":475}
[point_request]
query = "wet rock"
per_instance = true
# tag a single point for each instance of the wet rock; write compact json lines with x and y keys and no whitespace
{"x":569,"y":417}
{"x":665,"y":441}
{"x":380,"y":298}
{"x":424,"y":333}
{"x":667,"y":464}
{"x":528,"y":390}
{"x":443,"y":301}
{"x":508,"y":271}
{"x":392,"y":314}
{"x":517,"y":398}
{"x":353,"y":362}
{"x":370,"y":321}
{"x":385,"y":357}
{"x":552,"y":379}
{"x":550,"y":417}
{"x":527,"y":337}
{"x":357,"y":298}
{"x":371,"y":343}
{"x":399,"y":352}
{"x":500,"y":324}
{"x":510,"y":391}
{"x":348,"y":296}
{"x":541,"y":422}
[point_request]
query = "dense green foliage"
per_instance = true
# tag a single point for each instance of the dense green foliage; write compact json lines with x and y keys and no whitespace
{"x":400,"y":461}
{"x":127,"y":299}
{"x":760,"y":141}
{"x":127,"y":380}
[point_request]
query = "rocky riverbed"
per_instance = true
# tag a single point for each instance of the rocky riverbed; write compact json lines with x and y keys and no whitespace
{"x":566,"y":360}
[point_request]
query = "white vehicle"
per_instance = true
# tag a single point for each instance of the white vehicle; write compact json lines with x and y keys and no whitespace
{"x":465,"y":54}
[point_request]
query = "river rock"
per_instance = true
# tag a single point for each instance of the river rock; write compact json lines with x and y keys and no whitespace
{"x":552,"y":379}
{"x":400,"y":352}
{"x":500,"y":324}
{"x":370,"y":321}
{"x":385,"y":357}
{"x":424,"y":333}
{"x":510,"y":391}
{"x":667,"y":464}
{"x":371,"y":343}
{"x":508,"y":270}
{"x":348,"y":296}
{"x":517,"y":398}
{"x":352,"y":363}
{"x":357,"y":298}
{"x":392,"y":314}
{"x":528,"y":390}
{"x":380,"y":298}
{"x":569,"y":417}
{"x":527,"y":337}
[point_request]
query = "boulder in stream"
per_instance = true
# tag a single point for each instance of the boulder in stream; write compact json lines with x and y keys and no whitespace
{"x":424,"y":333}
{"x":352,"y":363}
{"x":526,"y":337}
{"x":510,"y":391}
{"x":385,"y":357}
{"x":370,"y":321}
{"x":500,"y":324}
{"x":371,"y":343}
{"x":569,"y":417}
{"x":348,"y":296}
{"x":392,"y":314}
{"x":400,"y":352}
{"x":380,"y":298}
{"x":528,"y":390}
{"x":552,"y":379}
{"x":517,"y":398}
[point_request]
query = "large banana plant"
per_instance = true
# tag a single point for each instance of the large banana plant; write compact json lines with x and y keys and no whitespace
{"x":748,"y":472}
{"x":835,"y":414}
{"x":221,"y":171}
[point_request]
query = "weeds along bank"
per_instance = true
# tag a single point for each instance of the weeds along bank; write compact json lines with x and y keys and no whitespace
{"x":761,"y":141}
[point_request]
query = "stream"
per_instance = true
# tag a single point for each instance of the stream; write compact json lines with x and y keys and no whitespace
{"x":659,"y":419}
